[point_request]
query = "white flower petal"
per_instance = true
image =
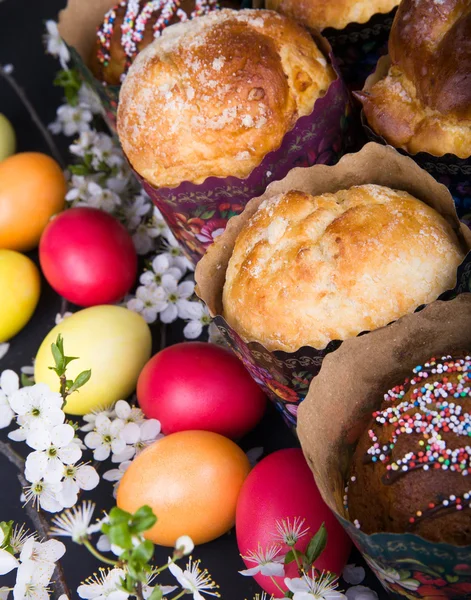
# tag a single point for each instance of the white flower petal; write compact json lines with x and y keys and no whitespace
{"x":101,"y":453}
{"x":250,"y":572}
{"x":7,"y":562}
{"x":150,"y":429}
{"x":360,"y":592}
{"x":9,"y":382}
{"x":87,"y":477}
{"x":70,"y":454}
{"x":169,"y":314}
{"x":131,"y":433}
{"x":118,"y":445}
{"x":353,"y":575}
{"x":36,"y":464}
{"x":38,"y":437}
{"x":62,"y":435}
{"x":122,"y":409}
{"x":273,"y":569}
{"x":93,"y":440}
{"x":193,"y":330}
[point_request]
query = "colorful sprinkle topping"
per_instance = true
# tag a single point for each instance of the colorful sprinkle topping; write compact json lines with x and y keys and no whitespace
{"x":137,"y":15}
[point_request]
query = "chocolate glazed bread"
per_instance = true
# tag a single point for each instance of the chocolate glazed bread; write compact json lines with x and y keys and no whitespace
{"x":132,"y":25}
{"x":424,"y":102}
{"x":411,"y":468}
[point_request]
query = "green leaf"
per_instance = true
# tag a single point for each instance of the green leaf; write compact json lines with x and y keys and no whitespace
{"x":6,"y":527}
{"x":291,"y":556}
{"x":120,"y":535}
{"x":80,"y":380}
{"x":69,"y":359}
{"x":144,"y":552}
{"x":209,"y":214}
{"x":26,"y":381}
{"x":143,"y":519}
{"x":79,"y":169}
{"x":316,"y":545}
{"x":157,"y":594}
{"x":58,"y":358}
{"x":117,"y":515}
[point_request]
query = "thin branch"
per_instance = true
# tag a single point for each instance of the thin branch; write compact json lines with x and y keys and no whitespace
{"x":12,"y":456}
{"x":34,"y":115}
{"x":38,"y":520}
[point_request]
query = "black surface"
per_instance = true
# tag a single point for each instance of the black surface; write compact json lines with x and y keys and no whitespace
{"x":21,"y":45}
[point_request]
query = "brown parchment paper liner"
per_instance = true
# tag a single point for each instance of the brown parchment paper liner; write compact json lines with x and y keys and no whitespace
{"x":337,"y":409}
{"x":285,"y":377}
{"x":448,"y":169}
{"x":77,"y":25}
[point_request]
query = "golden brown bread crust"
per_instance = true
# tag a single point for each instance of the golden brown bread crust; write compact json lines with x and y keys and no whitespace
{"x":424,"y":103}
{"x":307,"y":270}
{"x":213,"y":96}
{"x":383,"y":504}
{"x":320,"y":14}
{"x":112,"y":70}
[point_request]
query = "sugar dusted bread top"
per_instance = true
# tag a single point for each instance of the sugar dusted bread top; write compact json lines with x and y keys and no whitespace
{"x":306,"y":270}
{"x":213,"y":96}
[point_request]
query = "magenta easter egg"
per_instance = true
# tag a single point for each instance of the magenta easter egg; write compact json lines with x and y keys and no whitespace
{"x":88,"y":257}
{"x":280,"y":487}
{"x":200,"y":386}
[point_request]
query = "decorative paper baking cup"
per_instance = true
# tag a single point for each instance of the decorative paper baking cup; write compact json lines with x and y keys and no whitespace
{"x":448,"y":169}
{"x":78,"y":22}
{"x":198,"y":213}
{"x":358,"y":46}
{"x":285,"y":377}
{"x":337,"y":409}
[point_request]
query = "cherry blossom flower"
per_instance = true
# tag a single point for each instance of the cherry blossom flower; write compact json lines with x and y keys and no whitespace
{"x":43,"y":494}
{"x":7,"y":561}
{"x":18,"y":538}
{"x":102,"y":198}
{"x":31,"y":582}
{"x":185,"y":545}
{"x":54,"y":449}
{"x":138,"y":208}
{"x":90,"y":418}
{"x":323,"y":587}
{"x":174,"y":298}
{"x":88,"y":97}
{"x":55,"y":44}
{"x":76,"y":478}
{"x":9,"y":384}
{"x":199,"y":317}
{"x":104,"y":585}
{"x":106,"y":438}
{"x":149,"y":302}
{"x":160,"y":267}
{"x":75,"y":523}
{"x":290,"y":533}
{"x":267,"y":562}
{"x":85,"y":142}
{"x":36,"y":405}
{"x":71,"y":119}
{"x":137,"y":438}
{"x":194,"y":580}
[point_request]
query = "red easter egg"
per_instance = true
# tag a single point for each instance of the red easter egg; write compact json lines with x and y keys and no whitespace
{"x":88,"y":257}
{"x":280,"y":487}
{"x":197,"y":385}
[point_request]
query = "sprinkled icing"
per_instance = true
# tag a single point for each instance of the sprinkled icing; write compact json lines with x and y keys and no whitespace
{"x":430,"y":411}
{"x":135,"y":19}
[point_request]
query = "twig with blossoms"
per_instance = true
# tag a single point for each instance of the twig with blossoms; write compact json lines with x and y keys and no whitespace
{"x":132,"y":573}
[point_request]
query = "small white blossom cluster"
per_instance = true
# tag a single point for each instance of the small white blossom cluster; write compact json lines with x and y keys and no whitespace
{"x":121,"y":432}
{"x":34,"y":562}
{"x":52,"y":468}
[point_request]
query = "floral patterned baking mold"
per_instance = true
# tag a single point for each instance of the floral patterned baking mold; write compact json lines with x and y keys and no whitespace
{"x":285,"y":377}
{"x":197,"y":213}
{"x":358,"y":47}
{"x":453,"y":172}
{"x":335,"y":415}
{"x":410,"y":567}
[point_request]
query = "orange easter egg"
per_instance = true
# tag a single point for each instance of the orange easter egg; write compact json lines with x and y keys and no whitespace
{"x":32,"y":190}
{"x":191,"y":480}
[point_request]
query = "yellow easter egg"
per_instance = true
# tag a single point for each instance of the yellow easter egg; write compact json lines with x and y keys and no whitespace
{"x":112,"y":341}
{"x":7,"y":138}
{"x":20,"y":286}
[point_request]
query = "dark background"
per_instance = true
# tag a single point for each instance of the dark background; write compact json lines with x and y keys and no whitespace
{"x":21,"y":45}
